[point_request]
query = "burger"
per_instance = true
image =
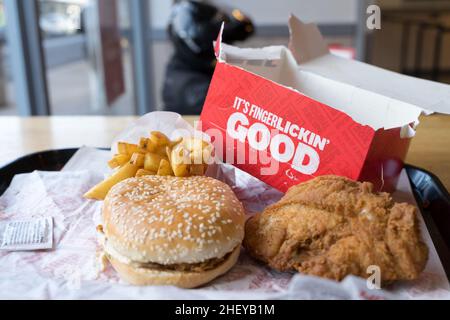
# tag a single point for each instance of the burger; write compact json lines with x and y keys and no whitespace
{"x":164,"y":230}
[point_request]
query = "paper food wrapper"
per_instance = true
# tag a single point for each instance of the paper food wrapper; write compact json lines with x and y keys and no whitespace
{"x":71,"y":269}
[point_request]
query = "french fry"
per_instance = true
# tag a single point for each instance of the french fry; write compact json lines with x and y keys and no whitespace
{"x":113,"y":164}
{"x":155,"y":155}
{"x":151,"y":146}
{"x":162,"y":151}
{"x":127,"y":148}
{"x":118,"y":160}
{"x":99,"y":191}
{"x":175,"y":142}
{"x":180,"y":161}
{"x":152,"y":161}
{"x":159,"y":138}
{"x":138,"y":159}
{"x":168,"y":152}
{"x":180,"y":170}
{"x":199,"y":150}
{"x":165,"y":168}
{"x":143,"y":143}
{"x":143,"y":172}
{"x":179,"y":155}
{"x":190,"y":157}
{"x":207,"y":153}
{"x":198,"y":169}
{"x":146,"y":145}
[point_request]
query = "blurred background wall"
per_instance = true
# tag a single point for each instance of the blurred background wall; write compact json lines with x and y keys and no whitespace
{"x":405,"y":43}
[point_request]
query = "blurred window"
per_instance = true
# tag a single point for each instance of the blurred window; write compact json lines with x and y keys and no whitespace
{"x":7,"y":105}
{"x":61,"y":17}
{"x":78,"y":78}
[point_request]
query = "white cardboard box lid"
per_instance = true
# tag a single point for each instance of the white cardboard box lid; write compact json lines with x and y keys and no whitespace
{"x":311,"y":53}
{"x":370,"y":95}
{"x":365,"y":107}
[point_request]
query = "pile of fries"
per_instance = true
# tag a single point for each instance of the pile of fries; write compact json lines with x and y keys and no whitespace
{"x":155,"y":155}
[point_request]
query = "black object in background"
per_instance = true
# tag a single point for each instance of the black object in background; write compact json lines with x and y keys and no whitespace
{"x":192,"y":29}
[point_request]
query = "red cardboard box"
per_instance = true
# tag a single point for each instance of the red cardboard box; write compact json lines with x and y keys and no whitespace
{"x":287,"y":115}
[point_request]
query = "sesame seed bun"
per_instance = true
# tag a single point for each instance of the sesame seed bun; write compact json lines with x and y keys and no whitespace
{"x":183,"y":279}
{"x":168,"y":221}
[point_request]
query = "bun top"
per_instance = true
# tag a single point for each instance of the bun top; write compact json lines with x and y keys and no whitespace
{"x":171,"y":220}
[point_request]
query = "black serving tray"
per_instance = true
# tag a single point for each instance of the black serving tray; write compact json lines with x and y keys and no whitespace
{"x":433,"y":201}
{"x":432,"y":198}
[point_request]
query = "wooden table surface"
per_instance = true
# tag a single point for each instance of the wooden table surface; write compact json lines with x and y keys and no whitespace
{"x":430,"y":148}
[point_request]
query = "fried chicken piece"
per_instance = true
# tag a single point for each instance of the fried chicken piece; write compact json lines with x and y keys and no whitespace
{"x":332,"y":226}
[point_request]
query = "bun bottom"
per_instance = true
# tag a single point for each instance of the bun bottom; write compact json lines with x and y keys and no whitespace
{"x":182,"y":279}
